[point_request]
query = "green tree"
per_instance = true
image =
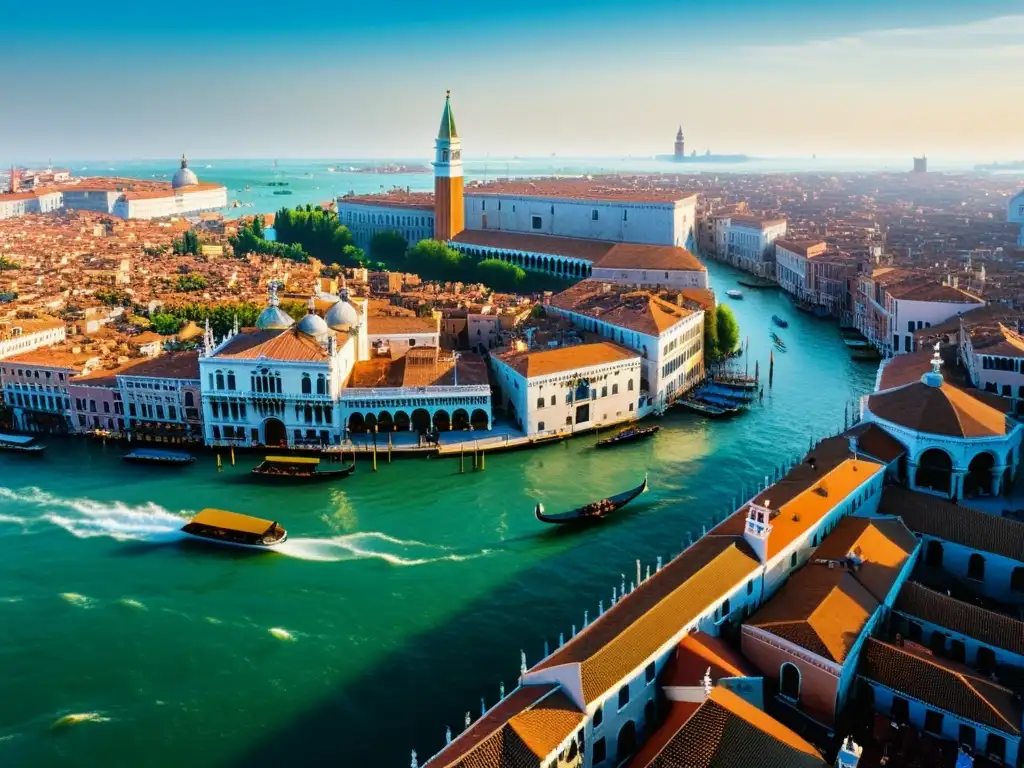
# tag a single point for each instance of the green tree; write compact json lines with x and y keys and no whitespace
{"x":727,"y":333}
{"x":188,"y":243}
{"x":295,"y":309}
{"x":193,"y":282}
{"x":711,"y":335}
{"x":353,"y":257}
{"x":389,"y":247}
{"x":500,"y":275}
{"x":249,"y":239}
{"x":6,"y":264}
{"x":432,"y":260}
{"x":166,"y":324}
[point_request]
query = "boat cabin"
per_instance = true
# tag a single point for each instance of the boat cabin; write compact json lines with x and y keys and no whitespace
{"x":295,"y":466}
{"x":231,"y":527}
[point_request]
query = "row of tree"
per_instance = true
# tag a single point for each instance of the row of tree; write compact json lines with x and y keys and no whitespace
{"x":319,"y":233}
{"x":251,"y":238}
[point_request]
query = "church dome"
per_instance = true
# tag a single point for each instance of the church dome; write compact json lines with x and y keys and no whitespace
{"x":274,"y":318}
{"x":342,"y":315}
{"x":184,"y":177}
{"x":313,"y":325}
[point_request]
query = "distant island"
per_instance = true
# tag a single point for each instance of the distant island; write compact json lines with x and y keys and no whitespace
{"x":706,"y":158}
{"x":1011,"y":165}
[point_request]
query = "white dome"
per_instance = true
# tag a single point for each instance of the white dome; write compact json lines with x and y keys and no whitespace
{"x":342,"y":314}
{"x":184,"y":176}
{"x":274,"y":318}
{"x":313,"y":325}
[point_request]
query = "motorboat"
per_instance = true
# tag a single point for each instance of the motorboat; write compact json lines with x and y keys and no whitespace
{"x":234,"y":530}
{"x":292,"y":469}
{"x":628,"y":435}
{"x":596,"y":510}
{"x":734,"y":293}
{"x":20,"y":444}
{"x":782,"y":323}
{"x":158,"y":456}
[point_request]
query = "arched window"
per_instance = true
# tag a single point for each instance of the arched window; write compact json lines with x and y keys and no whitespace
{"x":321,"y":384}
{"x":220,"y":380}
{"x":307,"y":384}
{"x":629,"y":386}
{"x":789,"y":682}
{"x":231,"y":380}
{"x":190,"y":400}
{"x":976,"y":567}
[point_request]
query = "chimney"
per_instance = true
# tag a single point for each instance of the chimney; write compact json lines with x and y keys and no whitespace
{"x":849,"y":754}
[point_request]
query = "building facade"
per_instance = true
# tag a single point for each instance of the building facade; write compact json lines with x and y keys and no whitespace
{"x":19,"y":336}
{"x":409,"y":214}
{"x":750,"y":243}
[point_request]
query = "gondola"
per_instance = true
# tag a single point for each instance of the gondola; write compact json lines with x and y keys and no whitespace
{"x":592,"y":512}
{"x":780,"y":322}
{"x":298,"y":469}
{"x":628,"y":435}
{"x":158,"y":456}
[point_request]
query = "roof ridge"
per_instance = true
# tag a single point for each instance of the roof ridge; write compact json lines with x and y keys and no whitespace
{"x":984,"y":698}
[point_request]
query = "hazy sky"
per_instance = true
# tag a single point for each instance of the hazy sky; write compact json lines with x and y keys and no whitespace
{"x":577,"y":77}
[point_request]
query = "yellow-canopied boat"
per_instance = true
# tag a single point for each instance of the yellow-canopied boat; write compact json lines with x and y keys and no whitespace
{"x":235,"y":530}
{"x":290,"y":469}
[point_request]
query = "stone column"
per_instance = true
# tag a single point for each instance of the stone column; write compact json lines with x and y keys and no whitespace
{"x":997,"y":480}
{"x":912,"y":475}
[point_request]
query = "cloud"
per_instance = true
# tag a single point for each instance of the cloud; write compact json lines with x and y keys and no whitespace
{"x":995,"y":38}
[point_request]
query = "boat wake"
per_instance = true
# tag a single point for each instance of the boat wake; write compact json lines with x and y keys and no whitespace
{"x":79,"y":717}
{"x":360,"y":546}
{"x":86,"y":518}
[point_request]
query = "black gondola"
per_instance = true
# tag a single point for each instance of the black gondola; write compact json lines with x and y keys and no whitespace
{"x":627,"y":436}
{"x":592,"y":512}
{"x":296,"y":469}
{"x":782,"y":323}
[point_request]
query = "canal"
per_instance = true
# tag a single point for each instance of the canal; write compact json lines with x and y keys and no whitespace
{"x":403,"y":598}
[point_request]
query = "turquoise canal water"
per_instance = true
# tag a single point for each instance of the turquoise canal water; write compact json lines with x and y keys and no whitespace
{"x":401,"y":599}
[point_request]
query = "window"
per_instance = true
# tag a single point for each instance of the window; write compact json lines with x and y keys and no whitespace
{"x":307,"y":384}
{"x":540,"y":426}
{"x":996,"y":748}
{"x":623,"y":696}
{"x":933,"y":722}
{"x":172,"y":412}
{"x":599,"y":716}
{"x":629,"y":386}
{"x":976,"y":567}
{"x":910,"y":326}
{"x":750,"y":587}
{"x":159,"y":411}
{"x":535,"y":222}
{"x":604,"y":391}
{"x":600,"y":752}
{"x":649,"y":673}
{"x":986,"y":660}
{"x":792,"y":560}
{"x":900,"y":709}
{"x":593,"y":215}
{"x":231,"y":380}
{"x":967,"y":736}
{"x":914,"y":631}
{"x":552,"y":399}
{"x":220,"y":380}
{"x":615,"y":389}
{"x":957,"y":650}
{"x":540,"y":402}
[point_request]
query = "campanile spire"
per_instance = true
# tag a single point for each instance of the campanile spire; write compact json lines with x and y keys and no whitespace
{"x":449,"y":214}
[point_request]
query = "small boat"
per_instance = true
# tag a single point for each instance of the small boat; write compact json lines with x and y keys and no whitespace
{"x":597,"y":510}
{"x":282,"y":192}
{"x":20,"y":444}
{"x":235,"y":530}
{"x":158,"y":456}
{"x":298,"y":469}
{"x":780,"y":322}
{"x":734,"y":293}
{"x":779,"y":343}
{"x":628,"y":436}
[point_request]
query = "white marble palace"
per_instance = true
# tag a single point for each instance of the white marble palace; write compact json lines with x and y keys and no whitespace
{"x":288,"y":384}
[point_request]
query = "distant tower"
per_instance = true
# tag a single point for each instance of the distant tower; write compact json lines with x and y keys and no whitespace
{"x":449,"y":214}
{"x":680,"y":146}
{"x":921,"y":164}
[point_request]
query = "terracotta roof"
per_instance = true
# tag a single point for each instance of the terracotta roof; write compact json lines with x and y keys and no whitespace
{"x":930,"y":290}
{"x":172,"y":365}
{"x":805,"y":248}
{"x":653,"y":257}
{"x":105,"y":377}
{"x":942,"y":519}
{"x":51,"y":357}
{"x":803,"y":503}
{"x":506,"y":736}
{"x":881,"y":546}
{"x":579,"y":189}
{"x":944,"y":410}
{"x":394,"y":199}
{"x":569,"y":247}
{"x":908,"y":369}
{"x":879,"y":444}
{"x":543,"y":363}
{"x":696,"y":653}
{"x":1004,"y":342}
{"x":820,"y":609}
{"x":380,"y":325}
{"x":728,"y":732}
{"x":755,"y":221}
{"x":968,"y":619}
{"x":29,"y":325}
{"x":942,"y":684}
{"x":289,"y":345}
{"x":629,"y":632}
{"x":971,"y":315}
{"x":639,"y":311}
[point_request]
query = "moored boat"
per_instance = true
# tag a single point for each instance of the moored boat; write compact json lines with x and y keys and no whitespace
{"x":597,"y":510}
{"x":20,"y":444}
{"x":628,"y":435}
{"x":234,"y":530}
{"x":734,"y":293}
{"x":780,"y":321}
{"x":299,"y":469}
{"x":158,"y":456}
{"x":707,"y":409}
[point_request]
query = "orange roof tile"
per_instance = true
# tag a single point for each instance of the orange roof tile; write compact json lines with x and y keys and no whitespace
{"x":808,"y":248}
{"x":569,"y":247}
{"x":944,"y":410}
{"x":653,"y":257}
{"x":543,"y":363}
{"x":171,"y":365}
{"x":289,"y":345}
{"x":544,"y":726}
{"x":639,"y":311}
{"x":882,"y":547}
{"x":696,"y":653}
{"x":380,"y":325}
{"x":578,"y":189}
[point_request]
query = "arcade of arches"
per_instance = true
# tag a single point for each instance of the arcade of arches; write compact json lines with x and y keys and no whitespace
{"x":420,"y":420}
{"x":560,"y":266}
{"x":985,"y":474}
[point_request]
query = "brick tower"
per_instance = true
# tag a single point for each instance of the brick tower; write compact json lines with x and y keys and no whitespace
{"x":449,"y":214}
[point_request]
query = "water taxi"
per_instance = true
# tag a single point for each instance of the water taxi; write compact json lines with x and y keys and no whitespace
{"x":734,"y":293}
{"x":157,"y":456}
{"x":20,"y":444}
{"x":597,"y":510}
{"x":235,"y":530}
{"x":299,"y":469}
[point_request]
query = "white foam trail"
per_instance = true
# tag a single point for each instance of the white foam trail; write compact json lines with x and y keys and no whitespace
{"x":12,"y":519}
{"x":281,"y":634}
{"x":133,"y":604}
{"x":79,"y":717}
{"x":76,"y":599}
{"x":357,"y":546}
{"x":86,"y":518}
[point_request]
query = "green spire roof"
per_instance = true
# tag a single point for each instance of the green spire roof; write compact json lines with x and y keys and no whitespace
{"x":447,"y":130}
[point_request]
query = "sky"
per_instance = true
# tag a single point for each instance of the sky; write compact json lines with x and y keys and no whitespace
{"x":580,"y":78}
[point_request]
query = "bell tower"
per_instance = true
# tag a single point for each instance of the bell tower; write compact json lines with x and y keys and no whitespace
{"x":449,"y":214}
{"x":680,"y":147}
